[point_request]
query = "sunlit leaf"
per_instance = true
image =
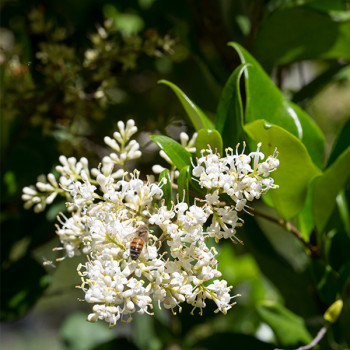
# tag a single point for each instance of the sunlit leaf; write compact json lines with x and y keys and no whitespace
{"x":265,"y":101}
{"x":179,"y":156}
{"x":296,"y":168}
{"x":197,"y":116}
{"x":208,"y":137}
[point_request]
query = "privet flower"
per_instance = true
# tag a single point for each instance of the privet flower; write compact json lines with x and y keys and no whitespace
{"x":139,"y":251}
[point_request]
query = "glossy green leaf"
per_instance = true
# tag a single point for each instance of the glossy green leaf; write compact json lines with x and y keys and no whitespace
{"x":341,"y":143}
{"x":197,"y":116}
{"x":296,"y":168}
{"x":207,"y":137}
{"x":281,"y":38}
{"x":265,"y":101}
{"x":166,"y":187}
{"x":287,"y":326}
{"x":327,"y":188}
{"x":229,"y":115}
{"x":183,"y":183}
{"x":178,"y":155}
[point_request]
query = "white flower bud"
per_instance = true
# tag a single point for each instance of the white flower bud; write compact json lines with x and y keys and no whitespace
{"x":157,"y":169}
{"x":92,"y":317}
{"x":30,"y":191}
{"x":51,"y":197}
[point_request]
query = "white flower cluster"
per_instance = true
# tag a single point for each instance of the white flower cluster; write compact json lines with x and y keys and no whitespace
{"x":139,"y":250}
{"x":233,"y":175}
{"x":72,"y":170}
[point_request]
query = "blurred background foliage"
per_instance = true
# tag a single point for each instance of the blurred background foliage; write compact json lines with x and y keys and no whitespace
{"x":71,"y":69}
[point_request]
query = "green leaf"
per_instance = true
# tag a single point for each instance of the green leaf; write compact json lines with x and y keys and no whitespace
{"x":327,"y":187}
{"x":166,"y":187}
{"x":296,"y":168}
{"x":183,"y":183}
{"x":178,"y":155}
{"x":265,"y":101}
{"x":305,"y":218}
{"x":281,"y":38}
{"x":229,"y":115}
{"x":207,"y":137}
{"x":287,"y":326}
{"x":340,"y":144}
{"x":197,"y":116}
{"x":143,"y":334}
{"x":78,"y":334}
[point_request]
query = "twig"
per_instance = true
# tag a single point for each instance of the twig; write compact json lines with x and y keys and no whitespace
{"x":315,"y":341}
{"x":314,"y":250}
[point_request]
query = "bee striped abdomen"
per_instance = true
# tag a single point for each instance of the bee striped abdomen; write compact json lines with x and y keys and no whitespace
{"x":136,"y":247}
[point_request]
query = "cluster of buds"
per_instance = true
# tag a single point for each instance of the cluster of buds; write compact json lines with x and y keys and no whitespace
{"x":139,"y":250}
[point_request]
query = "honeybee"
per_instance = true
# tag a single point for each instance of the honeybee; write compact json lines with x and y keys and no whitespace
{"x":138,"y":242}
